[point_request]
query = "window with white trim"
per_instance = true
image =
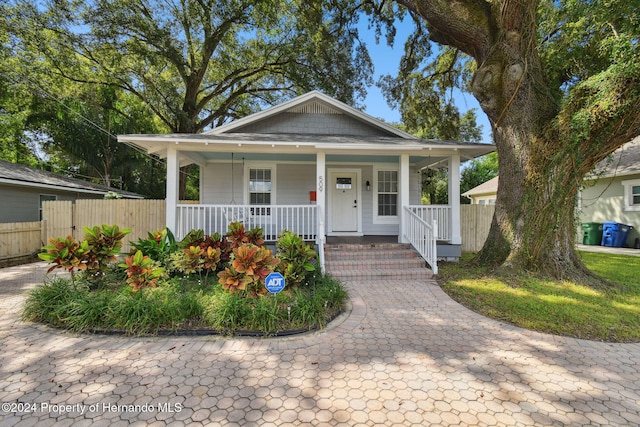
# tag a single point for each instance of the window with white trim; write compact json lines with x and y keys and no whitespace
{"x":631,"y":195}
{"x":260,"y":189}
{"x":387,"y":194}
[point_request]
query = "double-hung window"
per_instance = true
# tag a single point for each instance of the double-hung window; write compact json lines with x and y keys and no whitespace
{"x":260,"y":189}
{"x":386,"y":198}
{"x":631,"y":195}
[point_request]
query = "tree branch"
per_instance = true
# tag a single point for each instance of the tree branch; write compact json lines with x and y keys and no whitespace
{"x":465,"y":25}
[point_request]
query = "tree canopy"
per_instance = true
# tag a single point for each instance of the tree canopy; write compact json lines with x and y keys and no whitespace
{"x":198,"y":64}
{"x":80,"y":72}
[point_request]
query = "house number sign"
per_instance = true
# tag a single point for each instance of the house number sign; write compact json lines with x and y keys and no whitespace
{"x":320,"y":183}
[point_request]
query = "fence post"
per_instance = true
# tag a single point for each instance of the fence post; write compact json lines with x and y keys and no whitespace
{"x":43,"y":232}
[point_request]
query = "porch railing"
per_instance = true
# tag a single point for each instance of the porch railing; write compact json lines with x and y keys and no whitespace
{"x":301,"y":219}
{"x":441,"y":214}
{"x":422,"y":235}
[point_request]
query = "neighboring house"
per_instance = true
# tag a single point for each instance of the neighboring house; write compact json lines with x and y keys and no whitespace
{"x":612,"y":192}
{"x":313,"y":165}
{"x":23,"y":189}
{"x":483,"y":194}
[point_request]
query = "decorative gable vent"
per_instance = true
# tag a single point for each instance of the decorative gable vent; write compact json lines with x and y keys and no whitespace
{"x":313,"y":108}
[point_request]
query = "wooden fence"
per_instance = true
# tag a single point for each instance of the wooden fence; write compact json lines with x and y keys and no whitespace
{"x":18,"y":239}
{"x":475,"y":221}
{"x":141,"y":216}
{"x":62,"y":218}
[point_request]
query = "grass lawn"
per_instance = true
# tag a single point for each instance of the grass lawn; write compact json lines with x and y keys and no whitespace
{"x":562,"y":308}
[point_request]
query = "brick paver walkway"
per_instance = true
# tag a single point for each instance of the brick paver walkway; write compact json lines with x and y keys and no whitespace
{"x":406,"y":355}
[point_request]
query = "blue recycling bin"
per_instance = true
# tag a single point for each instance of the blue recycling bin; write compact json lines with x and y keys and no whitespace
{"x":614,"y":234}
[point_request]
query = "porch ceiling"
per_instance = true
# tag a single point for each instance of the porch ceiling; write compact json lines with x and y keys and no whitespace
{"x":307,"y":158}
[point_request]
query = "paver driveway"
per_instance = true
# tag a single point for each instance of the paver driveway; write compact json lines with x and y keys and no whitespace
{"x":405,"y":355}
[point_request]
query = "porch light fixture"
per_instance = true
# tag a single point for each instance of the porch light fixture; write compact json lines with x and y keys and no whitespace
{"x":368,"y":186}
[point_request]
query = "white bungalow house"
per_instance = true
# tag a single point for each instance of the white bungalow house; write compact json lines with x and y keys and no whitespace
{"x":318,"y":167}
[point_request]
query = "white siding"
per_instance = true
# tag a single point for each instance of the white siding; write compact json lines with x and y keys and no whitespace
{"x":415,"y":186}
{"x":370,"y":203}
{"x":217,"y":183}
{"x":294,"y":181}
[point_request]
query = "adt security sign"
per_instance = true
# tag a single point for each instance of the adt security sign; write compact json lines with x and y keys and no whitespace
{"x":274,"y":282}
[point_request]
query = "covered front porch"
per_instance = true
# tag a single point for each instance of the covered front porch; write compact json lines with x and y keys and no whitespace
{"x":325,"y":194}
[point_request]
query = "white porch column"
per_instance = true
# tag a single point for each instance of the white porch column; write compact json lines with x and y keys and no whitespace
{"x":321,"y":195}
{"x":321,"y":203}
{"x":403,"y":195}
{"x":454,"y":198}
{"x":173,"y":177}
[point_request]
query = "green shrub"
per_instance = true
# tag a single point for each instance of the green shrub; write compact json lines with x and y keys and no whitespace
{"x":66,"y":253}
{"x":266,"y":315}
{"x":89,"y":312}
{"x":45,"y":303}
{"x":157,"y":246}
{"x":297,"y":259}
{"x":307,"y":310}
{"x":228,"y":312}
{"x":152,"y":309}
{"x":92,"y":255}
{"x":105,"y":243}
{"x":249,"y":268}
{"x":142,"y":271}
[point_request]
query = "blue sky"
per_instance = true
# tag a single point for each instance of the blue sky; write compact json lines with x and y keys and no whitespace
{"x":386,"y":60}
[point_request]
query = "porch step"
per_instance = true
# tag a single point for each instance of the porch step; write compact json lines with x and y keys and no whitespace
{"x":381,"y":261}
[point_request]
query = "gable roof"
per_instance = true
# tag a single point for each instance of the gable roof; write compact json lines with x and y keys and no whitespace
{"x":312,"y":102}
{"x":17,"y":174}
{"x":304,"y":126}
{"x":489,"y":187}
{"x":624,"y":161}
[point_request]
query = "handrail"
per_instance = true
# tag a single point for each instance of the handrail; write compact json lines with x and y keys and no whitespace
{"x":439,"y":213}
{"x":422,"y":237}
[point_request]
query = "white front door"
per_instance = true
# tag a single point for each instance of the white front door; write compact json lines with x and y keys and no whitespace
{"x":344,"y":201}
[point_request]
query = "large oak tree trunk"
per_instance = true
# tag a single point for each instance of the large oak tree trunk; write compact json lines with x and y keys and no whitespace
{"x":534,"y":222}
{"x":534,"y":227}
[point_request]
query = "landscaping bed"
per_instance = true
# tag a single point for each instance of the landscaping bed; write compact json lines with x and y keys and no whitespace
{"x":202,"y":285}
